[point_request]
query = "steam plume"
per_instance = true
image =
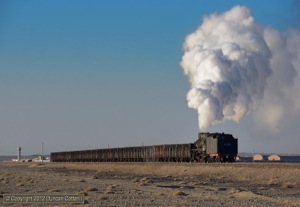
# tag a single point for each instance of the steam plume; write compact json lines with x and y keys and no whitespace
{"x":236,"y":66}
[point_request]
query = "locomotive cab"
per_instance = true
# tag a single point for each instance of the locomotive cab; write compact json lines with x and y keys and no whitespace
{"x":217,"y":147}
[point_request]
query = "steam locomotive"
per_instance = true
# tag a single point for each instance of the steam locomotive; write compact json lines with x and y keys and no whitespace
{"x":210,"y":147}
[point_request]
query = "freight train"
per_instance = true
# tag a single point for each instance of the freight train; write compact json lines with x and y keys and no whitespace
{"x":210,"y":147}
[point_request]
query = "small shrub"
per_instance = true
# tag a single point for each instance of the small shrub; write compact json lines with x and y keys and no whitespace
{"x":135,"y":180}
{"x":103,"y":197}
{"x":91,"y":189}
{"x":54,"y":190}
{"x":287,"y":185}
{"x":83,"y":192}
{"x":19,"y":184}
{"x":109,"y":190}
{"x":180,"y":193}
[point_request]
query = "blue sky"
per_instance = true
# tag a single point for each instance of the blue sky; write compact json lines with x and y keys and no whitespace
{"x":88,"y":74}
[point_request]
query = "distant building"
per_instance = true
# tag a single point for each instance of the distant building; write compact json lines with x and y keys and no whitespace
{"x":258,"y":157}
{"x":274,"y":158}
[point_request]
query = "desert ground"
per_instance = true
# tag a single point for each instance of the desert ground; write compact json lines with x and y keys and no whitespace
{"x":156,"y":184}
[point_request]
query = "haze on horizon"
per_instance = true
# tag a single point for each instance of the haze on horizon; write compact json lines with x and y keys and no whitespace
{"x":84,"y":75}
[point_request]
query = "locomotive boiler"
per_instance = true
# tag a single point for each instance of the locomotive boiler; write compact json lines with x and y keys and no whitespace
{"x":209,"y":147}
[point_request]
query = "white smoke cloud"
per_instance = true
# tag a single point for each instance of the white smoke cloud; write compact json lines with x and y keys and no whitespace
{"x":236,"y":67}
{"x":282,"y":94}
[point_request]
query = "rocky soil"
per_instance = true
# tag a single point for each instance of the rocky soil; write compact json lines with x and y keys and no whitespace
{"x":156,"y":184}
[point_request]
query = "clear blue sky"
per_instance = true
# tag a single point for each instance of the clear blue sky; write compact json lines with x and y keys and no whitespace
{"x":88,"y":74}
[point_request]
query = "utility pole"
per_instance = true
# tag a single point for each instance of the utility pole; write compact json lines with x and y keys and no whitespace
{"x":42,"y":156}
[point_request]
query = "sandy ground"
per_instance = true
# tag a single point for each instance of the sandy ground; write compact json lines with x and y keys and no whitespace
{"x":156,"y":184}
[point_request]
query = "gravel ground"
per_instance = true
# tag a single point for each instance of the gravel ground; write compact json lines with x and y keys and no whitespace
{"x":156,"y":184}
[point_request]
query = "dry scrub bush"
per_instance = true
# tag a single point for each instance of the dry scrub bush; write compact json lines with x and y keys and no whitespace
{"x":143,"y":184}
{"x":181,"y":183}
{"x":144,"y":181}
{"x":103,"y":197}
{"x":222,"y":189}
{"x":95,"y":177}
{"x":262,"y":188}
{"x":135,"y":180}
{"x":19,"y":184}
{"x":109,"y":190}
{"x":233,"y":191}
{"x":180,"y":193}
{"x":287,"y":185}
{"x":53,"y":190}
{"x":91,"y":189}
{"x":27,"y":179}
{"x":83,"y":192}
{"x":193,"y":183}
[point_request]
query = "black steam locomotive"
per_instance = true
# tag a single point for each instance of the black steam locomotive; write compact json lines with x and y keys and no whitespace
{"x":210,"y":147}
